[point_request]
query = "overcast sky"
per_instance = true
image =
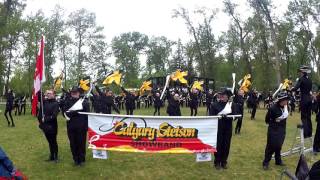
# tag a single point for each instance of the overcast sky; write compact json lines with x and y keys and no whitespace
{"x":151,"y":17}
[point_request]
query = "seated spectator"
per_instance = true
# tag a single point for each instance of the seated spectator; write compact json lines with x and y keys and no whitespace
{"x":7,"y":169}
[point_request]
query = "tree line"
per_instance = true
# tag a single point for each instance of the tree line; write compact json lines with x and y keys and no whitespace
{"x":270,"y":48}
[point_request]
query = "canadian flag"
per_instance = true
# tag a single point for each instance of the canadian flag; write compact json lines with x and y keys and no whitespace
{"x":39,"y":76}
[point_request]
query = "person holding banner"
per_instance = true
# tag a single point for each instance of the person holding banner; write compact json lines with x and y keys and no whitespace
{"x":305,"y":85}
{"x":49,"y":124}
{"x":77,"y":126}
{"x":9,"y":106}
{"x":276,"y":118}
{"x":223,"y":107}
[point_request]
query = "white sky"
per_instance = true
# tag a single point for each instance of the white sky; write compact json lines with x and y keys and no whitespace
{"x":151,"y":17}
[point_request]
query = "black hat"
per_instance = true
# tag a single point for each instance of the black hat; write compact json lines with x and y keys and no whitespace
{"x":75,"y":89}
{"x":282,"y":96}
{"x":226,"y":92}
{"x":304,"y":69}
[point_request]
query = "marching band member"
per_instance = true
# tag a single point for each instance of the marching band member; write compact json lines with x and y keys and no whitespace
{"x":173,"y":108}
{"x":253,"y":101}
{"x":107,"y":101}
{"x":239,"y":100}
{"x":96,"y":101}
{"x":316,"y":142}
{"x":130,"y":101}
{"x":157,"y":103}
{"x":223,"y":108}
{"x":49,"y":124}
{"x":194,"y":102}
{"x":209,"y":99}
{"x":77,"y":126}
{"x":276,"y":118}
{"x":9,"y":106}
{"x":305,"y":85}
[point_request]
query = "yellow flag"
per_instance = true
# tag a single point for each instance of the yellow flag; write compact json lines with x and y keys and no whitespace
{"x":286,"y":84}
{"x":114,"y":77}
{"x":197,"y":85}
{"x":84,"y":84}
{"x":145,"y":86}
{"x":179,"y":75}
{"x":246,"y":84}
{"x":58,"y":82}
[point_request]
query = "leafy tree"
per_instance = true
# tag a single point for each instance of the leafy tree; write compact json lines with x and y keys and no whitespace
{"x":159,"y":50}
{"x":126,"y":48}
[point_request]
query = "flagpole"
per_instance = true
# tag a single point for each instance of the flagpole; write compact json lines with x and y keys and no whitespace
{"x":41,"y":101}
{"x":43,"y":76}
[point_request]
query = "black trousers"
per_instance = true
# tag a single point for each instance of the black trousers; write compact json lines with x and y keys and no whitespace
{"x":275,"y":139}
{"x":129,"y":111}
{"x":194,"y":111}
{"x":239,"y":124}
{"x":156,"y":110}
{"x":53,"y":145}
{"x":208,"y":108}
{"x":306,"y":108}
{"x":223,"y":141}
{"x":5,"y":114}
{"x":253,"y":112}
{"x":22,"y":108}
{"x":316,"y":141}
{"x":77,"y":138}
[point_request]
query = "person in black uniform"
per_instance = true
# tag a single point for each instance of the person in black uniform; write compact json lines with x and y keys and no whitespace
{"x":23,"y":105}
{"x":276,"y":118}
{"x":77,"y":126}
{"x":253,"y":100}
{"x":157,"y":103}
{"x":305,"y":85}
{"x":130,"y":101}
{"x":49,"y":124}
{"x":239,"y":100}
{"x":139,"y":102}
{"x":292,"y":102}
{"x":223,"y":108}
{"x":268,"y":101}
{"x":107,"y":102}
{"x":194,"y":102}
{"x":16,"y":106}
{"x":173,"y":108}
{"x":9,"y":106}
{"x":209,"y":99}
{"x":150,"y":97}
{"x":118,"y":100}
{"x":316,"y":142}
{"x":96,"y":101}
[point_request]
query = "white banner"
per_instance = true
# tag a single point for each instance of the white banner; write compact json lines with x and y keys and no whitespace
{"x":166,"y":134}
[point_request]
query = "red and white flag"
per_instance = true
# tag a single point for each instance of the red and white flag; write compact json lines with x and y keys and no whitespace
{"x":39,"y":76}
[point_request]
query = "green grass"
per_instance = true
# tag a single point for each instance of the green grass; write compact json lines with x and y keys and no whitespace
{"x":27,"y":147}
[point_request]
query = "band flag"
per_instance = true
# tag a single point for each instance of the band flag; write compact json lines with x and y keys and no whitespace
{"x":39,"y":76}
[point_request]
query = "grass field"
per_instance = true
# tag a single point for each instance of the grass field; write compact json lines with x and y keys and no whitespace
{"x":27,"y":147}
